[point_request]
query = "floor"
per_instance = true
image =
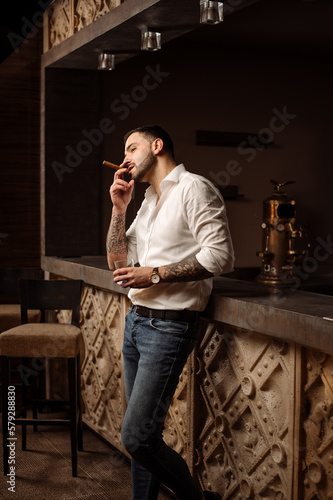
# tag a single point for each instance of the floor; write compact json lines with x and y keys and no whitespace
{"x":44,"y":470}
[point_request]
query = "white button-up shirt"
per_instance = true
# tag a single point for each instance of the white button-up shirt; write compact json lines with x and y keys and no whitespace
{"x":189,"y":219}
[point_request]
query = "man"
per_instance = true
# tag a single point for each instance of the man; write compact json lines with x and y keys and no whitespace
{"x":180,"y":239}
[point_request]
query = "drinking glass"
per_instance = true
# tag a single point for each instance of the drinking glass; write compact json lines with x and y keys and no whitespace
{"x":120,"y":264}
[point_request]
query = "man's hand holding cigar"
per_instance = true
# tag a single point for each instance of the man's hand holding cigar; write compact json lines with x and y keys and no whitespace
{"x":120,"y":190}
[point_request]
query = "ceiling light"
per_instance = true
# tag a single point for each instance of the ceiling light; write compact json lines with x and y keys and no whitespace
{"x":106,"y":60}
{"x":150,"y":40}
{"x":211,"y":12}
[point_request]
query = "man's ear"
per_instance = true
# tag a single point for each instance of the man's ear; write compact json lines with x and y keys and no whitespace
{"x":157,"y":146}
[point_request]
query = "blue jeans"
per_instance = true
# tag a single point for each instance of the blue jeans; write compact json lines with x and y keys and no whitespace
{"x":154,"y":352}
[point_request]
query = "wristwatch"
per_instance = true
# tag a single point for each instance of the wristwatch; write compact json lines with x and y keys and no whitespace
{"x":155,"y":277}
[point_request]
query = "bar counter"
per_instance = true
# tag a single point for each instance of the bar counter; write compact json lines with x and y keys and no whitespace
{"x":253,"y":410}
{"x":298,"y":315}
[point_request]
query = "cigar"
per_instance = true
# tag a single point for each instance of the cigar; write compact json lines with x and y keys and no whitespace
{"x":112,"y":165}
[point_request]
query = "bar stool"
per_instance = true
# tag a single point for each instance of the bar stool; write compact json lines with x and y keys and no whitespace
{"x":10,"y":310}
{"x":44,"y":340}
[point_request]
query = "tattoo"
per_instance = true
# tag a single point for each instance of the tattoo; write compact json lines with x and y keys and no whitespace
{"x":116,"y":240}
{"x":186,"y":270}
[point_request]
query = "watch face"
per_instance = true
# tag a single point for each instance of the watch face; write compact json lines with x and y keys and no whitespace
{"x":155,"y":278}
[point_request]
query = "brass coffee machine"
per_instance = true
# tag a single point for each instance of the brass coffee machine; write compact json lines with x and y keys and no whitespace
{"x":281,"y":236}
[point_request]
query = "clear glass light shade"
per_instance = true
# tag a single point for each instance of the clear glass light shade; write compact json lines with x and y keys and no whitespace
{"x":211,"y":12}
{"x":106,"y":61}
{"x":150,"y":40}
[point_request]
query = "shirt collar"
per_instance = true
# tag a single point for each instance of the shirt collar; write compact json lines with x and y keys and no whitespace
{"x":173,"y":177}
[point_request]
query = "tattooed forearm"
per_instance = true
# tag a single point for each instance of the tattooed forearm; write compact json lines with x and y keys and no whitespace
{"x":186,"y":270}
{"x":116,"y":242}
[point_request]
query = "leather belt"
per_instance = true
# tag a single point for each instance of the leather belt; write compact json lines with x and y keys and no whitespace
{"x":184,"y":315}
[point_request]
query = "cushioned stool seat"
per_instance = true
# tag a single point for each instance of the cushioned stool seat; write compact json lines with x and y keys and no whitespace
{"x":41,"y":340}
{"x":44,"y":340}
{"x":10,"y":316}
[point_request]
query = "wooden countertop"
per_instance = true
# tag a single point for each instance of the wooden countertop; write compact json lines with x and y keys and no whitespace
{"x":283,"y":313}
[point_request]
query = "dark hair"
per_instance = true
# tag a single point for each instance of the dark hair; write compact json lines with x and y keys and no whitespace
{"x":152,"y":132}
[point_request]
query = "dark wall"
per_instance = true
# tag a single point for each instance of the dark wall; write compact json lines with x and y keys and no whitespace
{"x":19,"y":156}
{"x":71,"y":165}
{"x":72,"y":139}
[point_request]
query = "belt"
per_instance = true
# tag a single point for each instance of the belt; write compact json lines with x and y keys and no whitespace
{"x":184,"y":315}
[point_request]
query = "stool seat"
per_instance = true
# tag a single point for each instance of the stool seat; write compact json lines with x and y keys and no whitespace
{"x":41,"y":340}
{"x":10,"y":316}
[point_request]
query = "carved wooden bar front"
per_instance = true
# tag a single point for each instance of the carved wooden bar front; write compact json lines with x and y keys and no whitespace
{"x":252,"y":414}
{"x":102,"y":379}
{"x":317,"y":426}
{"x":244,"y":413}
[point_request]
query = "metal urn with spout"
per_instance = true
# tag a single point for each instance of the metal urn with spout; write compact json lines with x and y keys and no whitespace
{"x":280,"y":238}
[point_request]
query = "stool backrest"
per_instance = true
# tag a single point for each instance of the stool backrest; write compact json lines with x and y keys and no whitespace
{"x":50,"y":295}
{"x":10,"y":281}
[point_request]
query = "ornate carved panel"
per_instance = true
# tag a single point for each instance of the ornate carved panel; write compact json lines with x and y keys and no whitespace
{"x":60,"y":22}
{"x":102,"y":384}
{"x":245,"y":400}
{"x":177,"y":432}
{"x":317,"y":470}
{"x":65,"y":17}
{"x":87,"y":11}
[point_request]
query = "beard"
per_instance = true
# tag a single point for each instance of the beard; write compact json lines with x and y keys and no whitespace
{"x":143,"y":168}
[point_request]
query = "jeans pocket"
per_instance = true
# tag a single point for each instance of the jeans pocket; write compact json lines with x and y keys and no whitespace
{"x":170,"y":327}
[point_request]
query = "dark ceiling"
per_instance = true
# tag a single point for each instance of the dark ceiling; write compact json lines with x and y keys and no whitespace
{"x":297,"y":25}
{"x":267,"y":28}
